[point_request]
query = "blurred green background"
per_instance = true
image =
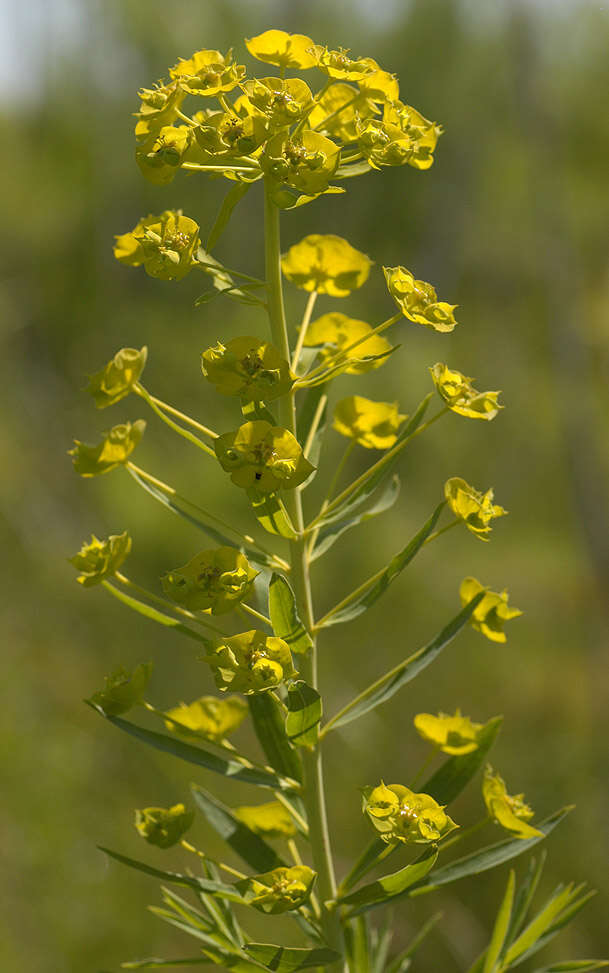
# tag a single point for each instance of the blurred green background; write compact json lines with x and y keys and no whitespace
{"x":512,"y":223}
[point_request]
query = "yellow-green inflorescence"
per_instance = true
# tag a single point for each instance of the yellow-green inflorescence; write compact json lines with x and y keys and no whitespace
{"x":216,"y":580}
{"x":251,"y":662}
{"x":98,"y":560}
{"x":399,"y":814}
{"x":280,"y":890}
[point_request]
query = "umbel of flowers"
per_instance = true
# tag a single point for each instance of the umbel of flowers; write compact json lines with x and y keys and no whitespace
{"x":243,"y":600}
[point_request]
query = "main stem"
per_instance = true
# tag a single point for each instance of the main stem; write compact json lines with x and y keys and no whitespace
{"x":313,"y":782}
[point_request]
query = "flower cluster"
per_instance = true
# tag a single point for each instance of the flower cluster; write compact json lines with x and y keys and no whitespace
{"x":248,"y":367}
{"x":166,"y":245}
{"x":280,"y":890}
{"x":251,"y":662}
{"x":216,"y":580}
{"x":101,"y":559}
{"x":475,"y":509}
{"x":123,"y":690}
{"x":327,"y":264}
{"x":207,"y":717}
{"x":455,"y":735}
{"x":113,"y":382}
{"x":114,"y":449}
{"x":510,"y":811}
{"x":398,"y":814}
{"x":491,"y":613}
{"x":461,"y":397}
{"x":272,"y":820}
{"x":161,"y":826}
{"x":418,"y":300}
{"x":371,"y":424}
{"x":262,"y":457}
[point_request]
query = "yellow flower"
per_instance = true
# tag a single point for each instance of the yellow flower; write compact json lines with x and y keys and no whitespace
{"x":372,"y":424}
{"x":162,"y":826}
{"x":279,"y":890}
{"x":166,"y":245}
{"x":207,"y":717}
{"x":249,"y":367}
{"x":510,"y":812}
{"x":337,"y":64}
{"x":115,"y":448}
{"x":305,"y":162}
{"x":379,"y":85}
{"x":117,"y":378}
{"x":271,"y":820}
{"x":398,"y":814}
{"x":383,"y":144}
{"x":422,"y":133}
{"x":460,"y":395}
{"x":232,"y":133}
{"x":455,"y":735}
{"x":337,"y":331}
{"x":344,"y":125}
{"x":250,"y":663}
{"x":208,"y":73}
{"x":160,"y":154}
{"x":326,"y":263}
{"x":283,"y":102}
{"x":418,"y":301}
{"x":283,"y":49}
{"x":159,"y":107}
{"x":217,"y":580}
{"x":475,"y":509}
{"x":123,"y":689}
{"x":101,"y":559}
{"x":491,"y":614}
{"x":262,"y":457}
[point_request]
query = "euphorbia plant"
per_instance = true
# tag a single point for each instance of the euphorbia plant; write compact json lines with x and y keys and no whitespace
{"x":299,"y":144}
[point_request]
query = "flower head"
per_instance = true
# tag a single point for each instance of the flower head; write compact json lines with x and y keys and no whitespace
{"x":164,"y":244}
{"x":114,"y":450}
{"x":251,"y":662}
{"x":344,"y":110}
{"x":162,"y":826}
{"x":398,"y":814}
{"x":327,"y":264}
{"x":305,"y":162}
{"x":491,"y":614}
{"x":208,"y":73}
{"x":271,"y":820}
{"x":215,"y":580}
{"x":418,"y":301}
{"x":113,"y":382}
{"x":279,"y":890}
{"x":337,"y":332}
{"x":460,"y":395}
{"x":123,"y":690}
{"x":231,"y":133}
{"x":510,"y":812}
{"x":422,"y":134}
{"x":249,"y":367}
{"x":262,"y":457}
{"x":159,"y":107}
{"x":101,"y":559}
{"x":337,"y":64}
{"x":374,"y":425}
{"x":282,"y":101}
{"x":475,"y":509}
{"x":455,"y":735}
{"x":283,"y":49}
{"x":207,"y":717}
{"x":379,"y":85}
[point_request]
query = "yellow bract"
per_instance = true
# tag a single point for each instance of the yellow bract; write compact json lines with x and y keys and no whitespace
{"x":305,"y":162}
{"x":283,"y":49}
{"x":249,"y":367}
{"x":283,"y":102}
{"x":262,"y":457}
{"x":208,"y":73}
{"x":162,"y":826}
{"x":113,"y":382}
{"x":337,"y":64}
{"x":455,"y":735}
{"x":114,"y":449}
{"x":342,"y":121}
{"x":279,"y":890}
{"x":225,"y":134}
{"x":460,"y":395}
{"x":326,"y":263}
{"x":207,"y":717}
{"x":101,"y":559}
{"x":398,"y":814}
{"x":418,"y":301}
{"x":475,"y":509}
{"x":422,"y":133}
{"x":509,"y":811}
{"x":159,"y":107}
{"x":339,"y":331}
{"x":372,"y":424}
{"x":166,"y":245}
{"x":215,"y":580}
{"x":493,"y":611}
{"x":123,"y":689}
{"x":379,"y":85}
{"x":251,"y":662}
{"x":271,"y":820}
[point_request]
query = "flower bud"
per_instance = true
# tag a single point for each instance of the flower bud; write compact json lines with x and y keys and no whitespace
{"x":161,"y":826}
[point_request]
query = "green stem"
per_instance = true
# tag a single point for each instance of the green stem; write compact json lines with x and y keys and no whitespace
{"x":243,"y":608}
{"x":141,"y":391}
{"x":438,"y":533}
{"x":465,"y":833}
{"x":303,"y":329}
{"x":167,"y":605}
{"x":313,"y":783}
{"x":179,"y":415}
{"x":340,"y":356}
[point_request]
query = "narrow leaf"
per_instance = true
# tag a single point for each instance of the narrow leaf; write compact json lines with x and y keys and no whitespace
{"x":228,"y":767}
{"x":330,"y":534}
{"x":541,"y":924}
{"x":233,"y":196}
{"x":154,"y":614}
{"x":234,"y":963}
{"x":525,"y":895}
{"x":304,"y":714}
{"x":286,"y":959}
{"x":575,"y":966}
{"x":249,"y":846}
{"x":356,"y":604}
{"x":284,"y":615}
{"x":314,"y":402}
{"x":396,"y":965}
{"x":454,"y":774}
{"x":176,"y":878}
{"x":154,"y":962}
{"x":358,"y":942}
{"x":269,"y":724}
{"x":271,"y":514}
{"x":385,"y":889}
{"x":389,"y":684}
{"x":501,"y":927}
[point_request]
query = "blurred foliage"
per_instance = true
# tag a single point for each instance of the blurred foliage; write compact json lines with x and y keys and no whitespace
{"x":512,"y":224}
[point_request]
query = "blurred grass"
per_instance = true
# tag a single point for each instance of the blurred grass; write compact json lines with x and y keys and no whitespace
{"x":511,"y":222}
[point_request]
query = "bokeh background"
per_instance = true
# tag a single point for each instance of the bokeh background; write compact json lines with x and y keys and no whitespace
{"x":512,"y":223}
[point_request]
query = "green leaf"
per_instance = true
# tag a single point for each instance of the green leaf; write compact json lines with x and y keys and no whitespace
{"x":304,"y":714}
{"x":357,"y":603}
{"x":389,"y":684}
{"x":500,"y":929}
{"x":385,"y":889}
{"x":271,"y":514}
{"x":284,"y":616}
{"x":154,"y":614}
{"x":234,"y":963}
{"x":194,"y":515}
{"x":575,"y":966}
{"x":373,"y":854}
{"x":454,"y":774}
{"x":312,"y":403}
{"x":397,"y":964}
{"x":525,"y":895}
{"x":228,"y":767}
{"x":565,"y":917}
{"x":176,"y":878}
{"x":233,"y":196}
{"x":542,"y":923}
{"x":335,"y":370}
{"x":154,"y":962}
{"x":489,"y":857}
{"x":285,"y":959}
{"x":358,"y":942}
{"x":249,"y":846}
{"x":330,"y":534}
{"x":269,"y":724}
